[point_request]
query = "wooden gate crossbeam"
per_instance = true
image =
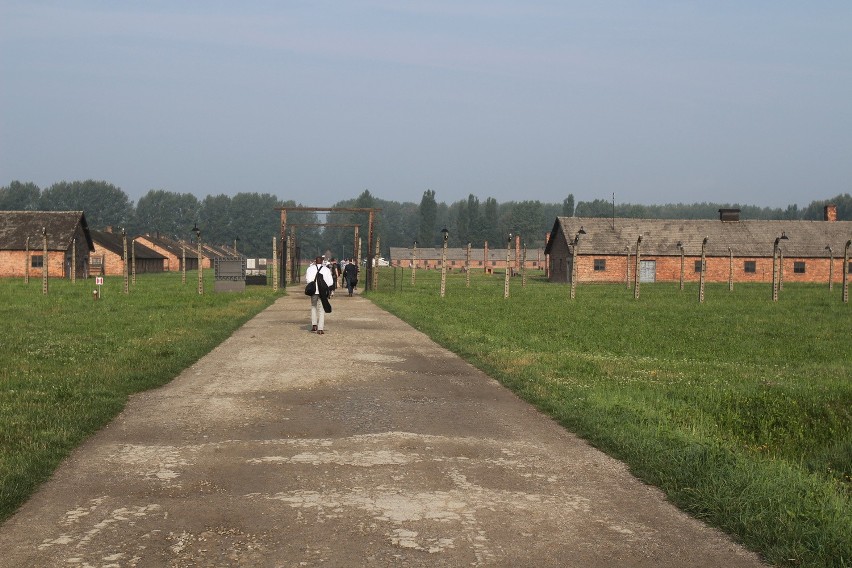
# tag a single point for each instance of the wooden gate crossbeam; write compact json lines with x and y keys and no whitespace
{"x":322,"y":225}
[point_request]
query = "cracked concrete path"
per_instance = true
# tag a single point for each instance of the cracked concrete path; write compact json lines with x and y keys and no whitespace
{"x":367,"y":446}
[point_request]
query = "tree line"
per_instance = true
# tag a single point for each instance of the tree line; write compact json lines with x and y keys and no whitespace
{"x":251,"y":220}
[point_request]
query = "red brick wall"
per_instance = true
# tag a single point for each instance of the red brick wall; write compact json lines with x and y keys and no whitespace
{"x":113,"y":263}
{"x":12,"y":264}
{"x":717,"y":270}
{"x":172,"y":262}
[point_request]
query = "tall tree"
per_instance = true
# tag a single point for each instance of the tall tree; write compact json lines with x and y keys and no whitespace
{"x":475,"y":222}
{"x":254,"y":221}
{"x":428,"y":217}
{"x":525,"y":219}
{"x":166,"y":213}
{"x":494,"y":234}
{"x":568,"y":206}
{"x":214,"y":219}
{"x":596,"y":208}
{"x":103,"y":203}
{"x":19,"y":197}
{"x":791,"y":213}
{"x":398,"y":226}
{"x":461,"y":235}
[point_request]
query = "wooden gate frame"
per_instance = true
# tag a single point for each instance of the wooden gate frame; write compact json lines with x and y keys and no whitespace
{"x":370,"y":224}
{"x":294,"y":276}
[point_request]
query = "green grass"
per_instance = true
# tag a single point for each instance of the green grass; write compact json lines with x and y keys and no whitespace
{"x":739,"y":408}
{"x":68,"y":363}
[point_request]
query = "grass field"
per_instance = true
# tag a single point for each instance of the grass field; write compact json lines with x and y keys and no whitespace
{"x":739,"y":408}
{"x":68,"y":363}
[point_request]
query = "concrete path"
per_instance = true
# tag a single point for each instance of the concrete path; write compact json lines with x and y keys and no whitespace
{"x":367,"y":446}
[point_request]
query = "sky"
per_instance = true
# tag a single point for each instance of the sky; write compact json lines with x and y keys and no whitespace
{"x":649,"y":101}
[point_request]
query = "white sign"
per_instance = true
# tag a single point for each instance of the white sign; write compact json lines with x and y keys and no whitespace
{"x":99,"y":280}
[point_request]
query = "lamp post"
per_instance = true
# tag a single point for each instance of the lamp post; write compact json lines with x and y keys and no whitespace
{"x":582,"y":231}
{"x":124,"y":260}
{"x":524,"y":266}
{"x":636,"y":275}
{"x":508,"y":267}
{"x":183,"y":264}
{"x":44,"y":263}
{"x":776,"y":261}
{"x":680,"y":246}
{"x":846,"y":271}
{"x":446,"y":234}
{"x":830,"y":267}
{"x":197,"y":232}
{"x":703,"y":270}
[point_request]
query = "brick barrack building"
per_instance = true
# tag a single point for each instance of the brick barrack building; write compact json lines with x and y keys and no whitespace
{"x":605,"y":248}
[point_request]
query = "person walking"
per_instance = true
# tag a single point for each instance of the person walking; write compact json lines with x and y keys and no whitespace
{"x":335,"y":274}
{"x":319,"y":273}
{"x":350,"y":274}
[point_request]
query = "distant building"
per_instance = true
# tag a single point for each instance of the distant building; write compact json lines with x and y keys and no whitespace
{"x":22,"y":236}
{"x":606,"y":248}
{"x":173,"y":250}
{"x":107,"y":258}
{"x":484,"y":259}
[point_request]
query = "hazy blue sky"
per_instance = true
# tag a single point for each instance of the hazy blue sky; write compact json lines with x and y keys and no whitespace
{"x":655,"y":101}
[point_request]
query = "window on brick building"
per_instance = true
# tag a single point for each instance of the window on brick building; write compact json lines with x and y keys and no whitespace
{"x":750,"y":266}
{"x":37,"y":261}
{"x":799,"y":267}
{"x":600,"y":264}
{"x":697,"y":266}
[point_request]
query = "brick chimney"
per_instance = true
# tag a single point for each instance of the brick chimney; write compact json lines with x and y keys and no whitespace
{"x":729,"y":214}
{"x":830,"y":212}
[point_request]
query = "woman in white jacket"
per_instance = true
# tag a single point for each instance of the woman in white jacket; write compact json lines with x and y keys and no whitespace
{"x":318,"y":272}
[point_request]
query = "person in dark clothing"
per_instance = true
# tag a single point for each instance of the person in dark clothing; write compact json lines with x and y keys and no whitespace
{"x":335,"y":274}
{"x":350,"y":273}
